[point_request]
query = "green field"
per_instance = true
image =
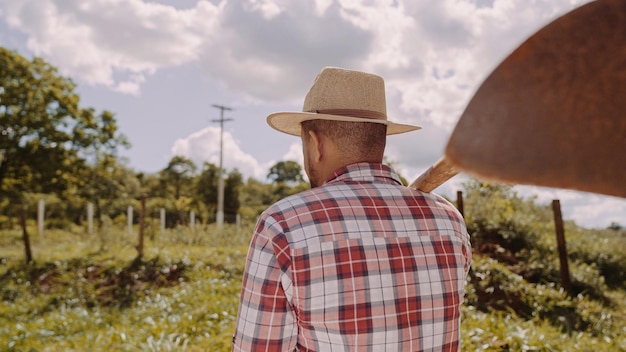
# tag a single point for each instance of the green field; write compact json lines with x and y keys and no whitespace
{"x":91,"y":293}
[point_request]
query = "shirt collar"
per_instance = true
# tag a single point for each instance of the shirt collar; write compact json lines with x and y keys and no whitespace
{"x":365,"y":172}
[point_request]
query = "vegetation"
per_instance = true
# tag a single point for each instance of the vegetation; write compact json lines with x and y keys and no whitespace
{"x":94,"y":293}
{"x":46,"y":135}
{"x":55,"y":149}
{"x":74,"y":291}
{"x":514,"y":301}
{"x":87,"y":294}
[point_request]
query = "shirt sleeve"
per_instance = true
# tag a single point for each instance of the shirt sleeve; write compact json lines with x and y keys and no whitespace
{"x":266,"y":319}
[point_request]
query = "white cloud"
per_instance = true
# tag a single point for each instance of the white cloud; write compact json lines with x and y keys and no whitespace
{"x":204,"y":146}
{"x":587,"y":209}
{"x":247,"y":45}
{"x":267,"y":8}
{"x":321,"y":6}
{"x":433,"y":54}
{"x":131,"y":86}
{"x":295,"y":153}
{"x":99,"y":39}
{"x":389,"y":23}
{"x":417,"y":150}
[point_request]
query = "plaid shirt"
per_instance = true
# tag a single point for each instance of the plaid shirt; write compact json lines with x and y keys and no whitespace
{"x":360,"y":263}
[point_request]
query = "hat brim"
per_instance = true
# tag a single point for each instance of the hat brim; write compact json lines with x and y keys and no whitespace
{"x":290,"y":122}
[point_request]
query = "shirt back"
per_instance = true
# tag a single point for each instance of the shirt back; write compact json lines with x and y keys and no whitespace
{"x":360,"y":263}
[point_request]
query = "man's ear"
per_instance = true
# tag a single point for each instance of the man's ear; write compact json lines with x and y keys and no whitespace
{"x":316,"y":146}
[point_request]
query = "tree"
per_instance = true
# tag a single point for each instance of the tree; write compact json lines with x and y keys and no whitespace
{"x":46,"y":136}
{"x":206,"y":187}
{"x":110,"y":186}
{"x":255,"y":197}
{"x":285,"y":171}
{"x":232,"y":186}
{"x":495,"y":212}
{"x":179,"y":171}
{"x":178,"y":174}
{"x":206,"y":191}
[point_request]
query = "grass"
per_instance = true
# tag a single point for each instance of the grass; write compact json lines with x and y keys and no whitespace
{"x":504,"y":312}
{"x":91,"y":293}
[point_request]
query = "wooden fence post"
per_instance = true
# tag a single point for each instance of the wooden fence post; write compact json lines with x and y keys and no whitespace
{"x":90,"y":218}
{"x":129,"y":215}
{"x":142,"y":217}
{"x":459,"y":202}
{"x":25,"y":238}
{"x":162,"y":213}
{"x":560,"y":240}
{"x":41,"y":209}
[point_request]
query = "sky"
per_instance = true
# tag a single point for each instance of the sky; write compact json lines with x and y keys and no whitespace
{"x":161,"y":66}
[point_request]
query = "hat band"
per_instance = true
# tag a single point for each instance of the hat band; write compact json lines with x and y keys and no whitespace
{"x":367,"y":114}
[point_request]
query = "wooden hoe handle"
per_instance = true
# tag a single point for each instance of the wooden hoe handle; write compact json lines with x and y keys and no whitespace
{"x":440,"y":172}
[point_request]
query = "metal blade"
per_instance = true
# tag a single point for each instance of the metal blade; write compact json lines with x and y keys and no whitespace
{"x":553,"y":113}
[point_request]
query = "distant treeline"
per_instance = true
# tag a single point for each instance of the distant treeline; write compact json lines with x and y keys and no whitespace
{"x":52,"y":148}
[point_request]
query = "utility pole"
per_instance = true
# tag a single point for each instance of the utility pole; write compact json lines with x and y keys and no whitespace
{"x":220,"y":179}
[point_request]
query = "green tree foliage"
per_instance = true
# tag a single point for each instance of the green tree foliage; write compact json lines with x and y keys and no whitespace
{"x":286,"y":171}
{"x":46,"y":136}
{"x":175,"y":191}
{"x":255,"y":197}
{"x":206,"y":188}
{"x":232,"y":189}
{"x":496,"y":210}
{"x":150,"y":184}
{"x":206,"y":191}
{"x":516,"y":272}
{"x":178,"y":173}
{"x":286,"y":179}
{"x":110,"y":186}
{"x":55,"y":149}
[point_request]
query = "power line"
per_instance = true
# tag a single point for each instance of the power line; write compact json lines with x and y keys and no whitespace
{"x":220,"y":179}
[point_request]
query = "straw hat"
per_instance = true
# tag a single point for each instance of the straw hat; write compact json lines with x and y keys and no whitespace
{"x":341,"y":95}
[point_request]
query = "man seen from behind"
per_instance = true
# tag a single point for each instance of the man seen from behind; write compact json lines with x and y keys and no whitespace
{"x":358,"y":262}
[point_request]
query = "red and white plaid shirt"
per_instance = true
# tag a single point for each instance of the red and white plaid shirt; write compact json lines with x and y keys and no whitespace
{"x":361,"y":263}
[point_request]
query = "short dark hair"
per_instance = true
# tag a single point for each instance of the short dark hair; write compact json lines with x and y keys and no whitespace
{"x":361,"y":141}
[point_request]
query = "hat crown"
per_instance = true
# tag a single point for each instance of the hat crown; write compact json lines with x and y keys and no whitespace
{"x":344,"y":95}
{"x":341,"y":89}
